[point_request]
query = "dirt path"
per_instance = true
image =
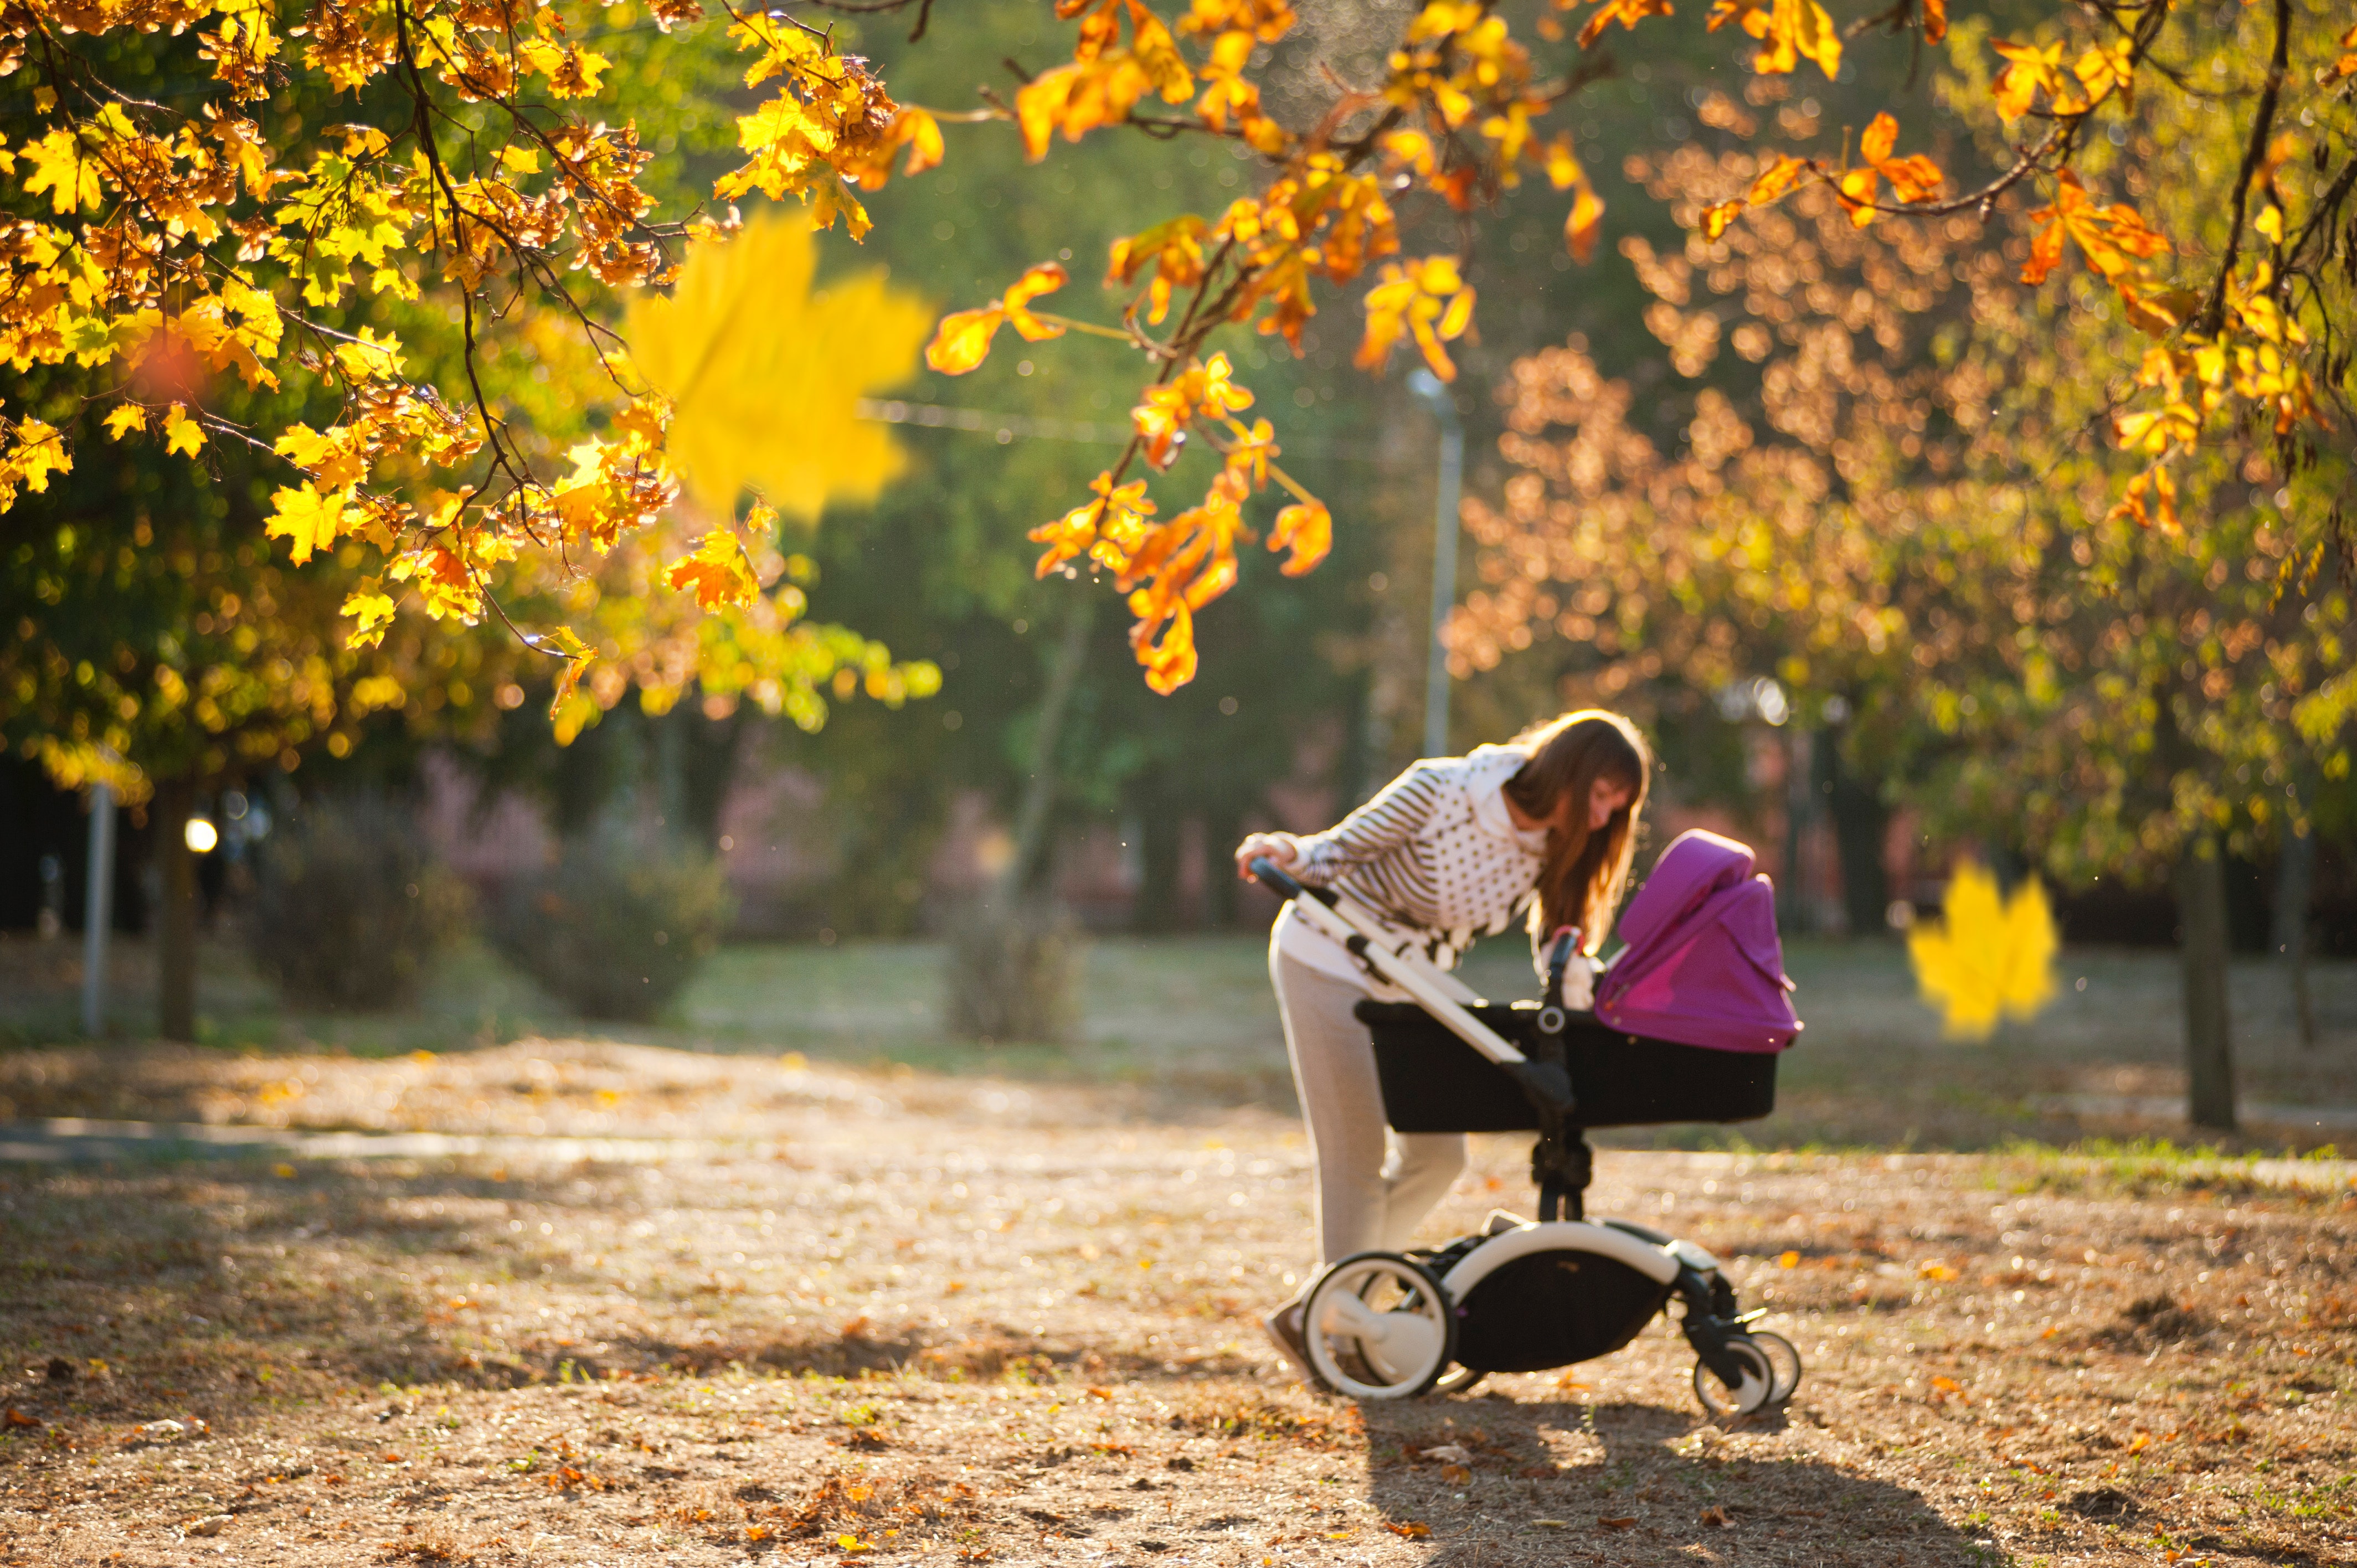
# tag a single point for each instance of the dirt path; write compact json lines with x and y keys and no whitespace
{"x":895,"y":1316}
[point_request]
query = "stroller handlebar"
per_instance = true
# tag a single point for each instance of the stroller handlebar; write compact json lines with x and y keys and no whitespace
{"x":1278,"y":880}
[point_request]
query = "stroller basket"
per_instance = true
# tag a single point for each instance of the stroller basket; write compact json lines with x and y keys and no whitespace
{"x":1435,"y":1082}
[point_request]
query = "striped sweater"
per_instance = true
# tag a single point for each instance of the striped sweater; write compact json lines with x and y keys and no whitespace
{"x":1435,"y":854}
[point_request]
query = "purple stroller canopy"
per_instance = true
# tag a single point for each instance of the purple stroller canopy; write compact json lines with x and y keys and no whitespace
{"x":1701,"y":966}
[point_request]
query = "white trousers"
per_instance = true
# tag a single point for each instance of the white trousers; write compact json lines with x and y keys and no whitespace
{"x":1374,"y":1186}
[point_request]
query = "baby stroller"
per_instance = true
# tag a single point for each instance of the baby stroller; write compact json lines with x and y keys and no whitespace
{"x":1687,"y":1024}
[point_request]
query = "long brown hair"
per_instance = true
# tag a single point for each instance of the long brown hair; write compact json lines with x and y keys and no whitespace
{"x":1585,"y":871}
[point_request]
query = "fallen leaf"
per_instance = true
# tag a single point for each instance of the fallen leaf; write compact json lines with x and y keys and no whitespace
{"x":17,"y":1418}
{"x":1550,"y":1524}
{"x":1449,"y":1454}
{"x":1537,"y":1472}
{"x":211,"y":1524}
{"x":1408,"y":1529}
{"x":1626,"y":1521}
{"x":1718,"y":1516}
{"x":1456,"y":1474}
{"x":1789,"y":1260}
{"x":2142,"y":1441}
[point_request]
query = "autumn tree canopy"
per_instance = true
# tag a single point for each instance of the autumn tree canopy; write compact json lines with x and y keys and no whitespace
{"x":209,"y":191}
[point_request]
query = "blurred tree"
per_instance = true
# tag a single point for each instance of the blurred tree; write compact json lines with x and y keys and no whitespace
{"x":1925,"y":532}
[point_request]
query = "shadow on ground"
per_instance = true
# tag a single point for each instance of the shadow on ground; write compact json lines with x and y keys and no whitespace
{"x":1633,"y":1484}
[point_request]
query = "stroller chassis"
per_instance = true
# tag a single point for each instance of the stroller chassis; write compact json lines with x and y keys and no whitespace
{"x":1388,"y":1325}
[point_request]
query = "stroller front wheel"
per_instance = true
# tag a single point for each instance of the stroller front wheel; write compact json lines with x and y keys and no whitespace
{"x":1748,"y":1393}
{"x":1377,"y":1326}
{"x":1783,"y":1362}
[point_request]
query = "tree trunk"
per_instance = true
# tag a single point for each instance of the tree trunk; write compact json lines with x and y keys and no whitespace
{"x":1039,"y":791}
{"x":176,"y":922}
{"x":2203,"y":948}
{"x":1222,"y":831}
{"x":1160,"y":830}
{"x":2295,"y":886}
{"x":1861,"y":827}
{"x":1794,"y":898}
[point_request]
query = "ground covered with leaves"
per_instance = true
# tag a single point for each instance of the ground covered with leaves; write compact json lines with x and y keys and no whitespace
{"x":803,"y":1312}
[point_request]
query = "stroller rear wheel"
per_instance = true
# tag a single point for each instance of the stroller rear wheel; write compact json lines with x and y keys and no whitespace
{"x":1378,"y":1327}
{"x":1748,"y":1393}
{"x":1456,"y":1380}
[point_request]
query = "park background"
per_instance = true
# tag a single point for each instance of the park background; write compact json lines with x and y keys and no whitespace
{"x":885,"y":822}
{"x":472,"y":1269}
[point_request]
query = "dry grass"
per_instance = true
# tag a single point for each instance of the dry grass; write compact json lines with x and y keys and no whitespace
{"x":895,"y":1314}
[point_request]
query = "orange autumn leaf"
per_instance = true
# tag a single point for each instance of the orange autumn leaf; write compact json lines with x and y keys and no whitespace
{"x":1170,"y":663}
{"x":1428,"y":301}
{"x":1045,"y":278}
{"x":1935,"y":21}
{"x":962,"y":339}
{"x":2028,"y":70}
{"x":716,"y":571}
{"x":1628,"y":13}
{"x":1912,"y":179}
{"x":1584,"y":222}
{"x":1775,"y":180}
{"x":2112,"y":238}
{"x":1307,"y":530}
{"x":1789,"y":31}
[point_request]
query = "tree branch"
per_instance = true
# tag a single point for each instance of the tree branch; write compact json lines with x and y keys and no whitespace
{"x":2214,"y":314}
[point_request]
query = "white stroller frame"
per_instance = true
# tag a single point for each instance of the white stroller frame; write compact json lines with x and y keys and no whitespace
{"x":1385,"y":1324}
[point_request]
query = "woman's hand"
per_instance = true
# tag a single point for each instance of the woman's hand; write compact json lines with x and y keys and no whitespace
{"x":1278,"y":847}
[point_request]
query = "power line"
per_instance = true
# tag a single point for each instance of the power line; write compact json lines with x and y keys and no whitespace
{"x":1008,"y":428}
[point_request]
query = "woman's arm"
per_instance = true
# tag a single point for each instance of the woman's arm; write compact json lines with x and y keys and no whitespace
{"x":1383,"y":824}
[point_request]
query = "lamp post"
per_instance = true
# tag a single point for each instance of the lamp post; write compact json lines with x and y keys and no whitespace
{"x":1433,"y":393}
{"x":97,"y":911}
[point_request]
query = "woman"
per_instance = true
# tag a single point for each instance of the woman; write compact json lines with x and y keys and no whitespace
{"x":1453,"y":849}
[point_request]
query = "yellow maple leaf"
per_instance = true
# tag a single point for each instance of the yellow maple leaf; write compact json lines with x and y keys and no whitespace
{"x":716,"y":571}
{"x":128,"y":416}
{"x":308,"y":521}
{"x":765,"y":372}
{"x":1990,"y":957}
{"x":371,"y":612}
{"x":182,"y":434}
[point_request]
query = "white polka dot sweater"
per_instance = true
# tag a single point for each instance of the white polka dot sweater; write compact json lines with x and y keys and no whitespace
{"x":1435,"y":854}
